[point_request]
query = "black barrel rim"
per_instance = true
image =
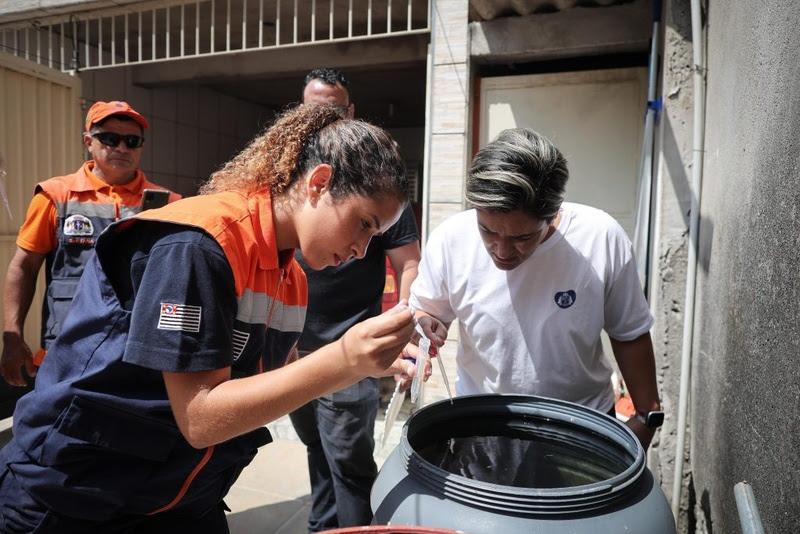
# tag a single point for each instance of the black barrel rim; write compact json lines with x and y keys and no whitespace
{"x":520,"y":500}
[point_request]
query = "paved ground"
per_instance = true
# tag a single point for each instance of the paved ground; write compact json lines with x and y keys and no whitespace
{"x":272,"y":494}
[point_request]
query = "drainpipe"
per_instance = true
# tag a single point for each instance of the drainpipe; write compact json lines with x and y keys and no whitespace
{"x":749,"y":517}
{"x":641,"y":232}
{"x":426,"y":172}
{"x":698,"y":58}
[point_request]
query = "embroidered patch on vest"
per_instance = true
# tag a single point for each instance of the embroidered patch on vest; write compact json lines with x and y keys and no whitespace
{"x":239,"y":341}
{"x":565,"y":299}
{"x":78,"y":225}
{"x":179,"y":317}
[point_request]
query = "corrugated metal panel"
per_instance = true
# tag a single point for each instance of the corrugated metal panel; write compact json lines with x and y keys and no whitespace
{"x":492,"y":9}
{"x":39,"y":138}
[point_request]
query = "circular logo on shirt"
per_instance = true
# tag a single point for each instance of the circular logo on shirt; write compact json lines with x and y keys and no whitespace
{"x":565,"y":299}
{"x":78,"y":225}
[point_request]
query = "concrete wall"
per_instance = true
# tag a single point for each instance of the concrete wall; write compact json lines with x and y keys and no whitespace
{"x":193,"y":130}
{"x":746,"y":374}
{"x":669,"y":247}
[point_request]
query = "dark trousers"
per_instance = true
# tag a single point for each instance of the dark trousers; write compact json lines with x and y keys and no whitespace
{"x":19,"y":513}
{"x":338,"y":432}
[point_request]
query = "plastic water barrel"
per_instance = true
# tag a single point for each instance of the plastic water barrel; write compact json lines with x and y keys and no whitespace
{"x":515,"y":463}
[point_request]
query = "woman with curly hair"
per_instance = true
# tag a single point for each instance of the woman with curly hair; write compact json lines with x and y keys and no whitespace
{"x":176,"y":351}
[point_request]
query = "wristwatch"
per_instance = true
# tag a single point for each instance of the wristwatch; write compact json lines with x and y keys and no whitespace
{"x":652,"y":419}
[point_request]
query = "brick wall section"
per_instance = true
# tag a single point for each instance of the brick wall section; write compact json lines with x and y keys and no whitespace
{"x":449,"y":141}
{"x":450,"y":110}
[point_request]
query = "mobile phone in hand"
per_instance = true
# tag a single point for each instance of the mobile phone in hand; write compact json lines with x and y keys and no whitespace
{"x":154,"y":198}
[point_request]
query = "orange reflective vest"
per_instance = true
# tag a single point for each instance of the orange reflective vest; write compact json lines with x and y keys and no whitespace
{"x":85,"y":206}
{"x":270,"y":286}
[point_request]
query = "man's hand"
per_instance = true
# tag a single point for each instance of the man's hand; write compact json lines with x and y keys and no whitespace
{"x":17,"y":296}
{"x":643,"y":432}
{"x":16,"y":355}
{"x":433,"y":329}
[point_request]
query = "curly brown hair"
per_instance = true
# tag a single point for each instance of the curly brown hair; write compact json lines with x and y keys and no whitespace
{"x":364,"y":158}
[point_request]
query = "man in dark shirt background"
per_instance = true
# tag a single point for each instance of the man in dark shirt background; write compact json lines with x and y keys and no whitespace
{"x":338,"y":429}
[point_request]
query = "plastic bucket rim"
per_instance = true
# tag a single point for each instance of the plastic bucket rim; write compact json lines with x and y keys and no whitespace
{"x":555,"y":409}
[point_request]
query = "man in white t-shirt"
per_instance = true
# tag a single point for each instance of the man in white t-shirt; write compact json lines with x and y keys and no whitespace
{"x":533,"y":281}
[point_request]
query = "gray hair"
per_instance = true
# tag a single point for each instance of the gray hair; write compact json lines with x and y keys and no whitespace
{"x":519,"y":169}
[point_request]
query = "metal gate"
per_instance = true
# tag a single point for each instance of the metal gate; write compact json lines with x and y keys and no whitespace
{"x":148,"y":32}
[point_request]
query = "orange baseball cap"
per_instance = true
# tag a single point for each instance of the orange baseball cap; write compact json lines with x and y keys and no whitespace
{"x":101,"y":110}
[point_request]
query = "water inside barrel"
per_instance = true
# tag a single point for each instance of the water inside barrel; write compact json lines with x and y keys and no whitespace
{"x":532,"y":458}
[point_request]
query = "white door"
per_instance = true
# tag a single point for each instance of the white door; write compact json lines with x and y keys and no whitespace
{"x":596,"y":119}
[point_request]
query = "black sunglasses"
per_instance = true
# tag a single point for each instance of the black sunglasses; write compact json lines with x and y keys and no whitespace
{"x":113,"y":139}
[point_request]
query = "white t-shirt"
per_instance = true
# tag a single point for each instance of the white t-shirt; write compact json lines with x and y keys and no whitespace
{"x":536,"y":329}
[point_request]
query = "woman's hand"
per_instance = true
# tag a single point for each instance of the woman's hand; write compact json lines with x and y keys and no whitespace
{"x":372,"y":346}
{"x":404,"y":367}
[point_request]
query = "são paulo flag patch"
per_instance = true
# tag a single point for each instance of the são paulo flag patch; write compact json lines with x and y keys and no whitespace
{"x":179,"y":317}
